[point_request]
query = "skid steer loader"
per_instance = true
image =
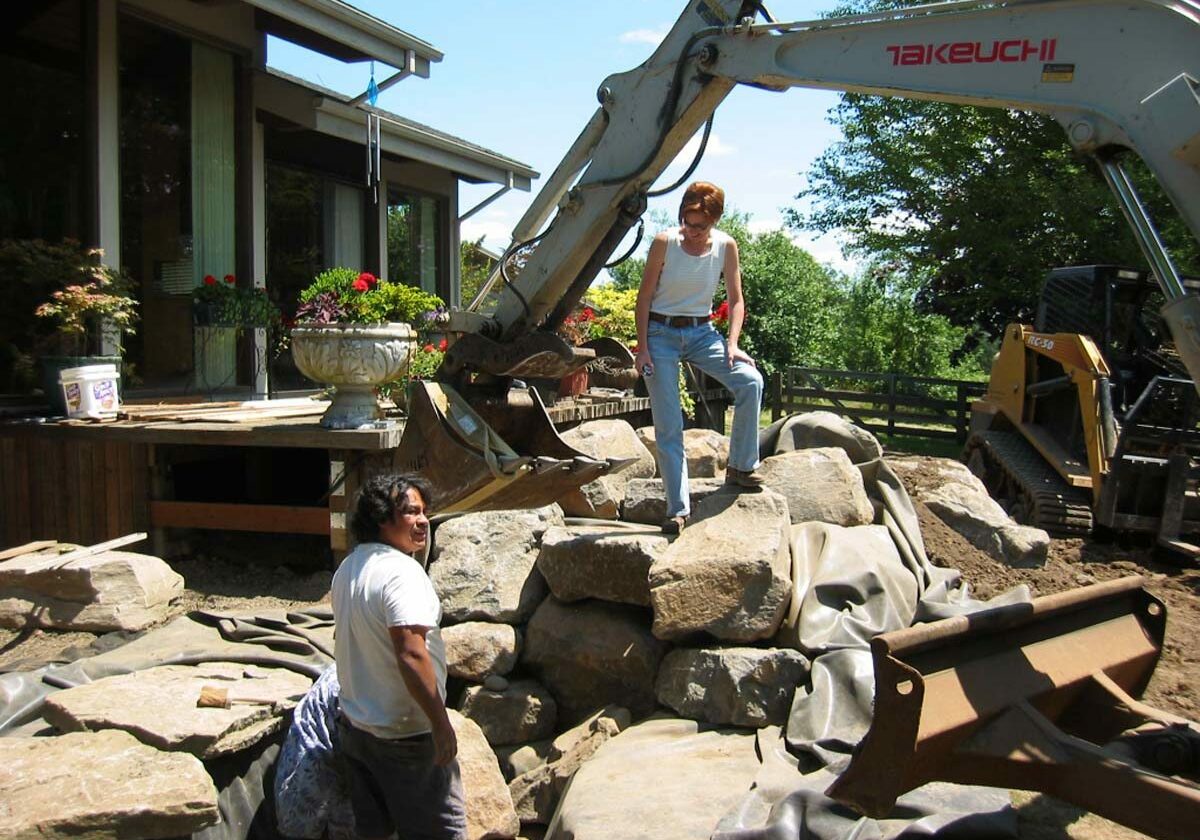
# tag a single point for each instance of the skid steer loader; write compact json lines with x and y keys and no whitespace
{"x":971,"y":699}
{"x":1090,"y":417}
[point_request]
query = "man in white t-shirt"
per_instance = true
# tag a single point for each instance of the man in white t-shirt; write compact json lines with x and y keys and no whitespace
{"x":394,"y":734}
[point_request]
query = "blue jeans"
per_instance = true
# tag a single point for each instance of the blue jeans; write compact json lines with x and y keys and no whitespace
{"x":704,"y":347}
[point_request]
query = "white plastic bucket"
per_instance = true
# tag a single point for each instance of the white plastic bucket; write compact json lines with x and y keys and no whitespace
{"x":91,"y":391}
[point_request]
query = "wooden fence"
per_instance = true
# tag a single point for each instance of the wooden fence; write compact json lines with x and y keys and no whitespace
{"x":907,"y":405}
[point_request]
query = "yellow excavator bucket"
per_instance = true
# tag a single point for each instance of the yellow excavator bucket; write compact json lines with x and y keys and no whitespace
{"x":1035,"y":696}
{"x":498,"y":454}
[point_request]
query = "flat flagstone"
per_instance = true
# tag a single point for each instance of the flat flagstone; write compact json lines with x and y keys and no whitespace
{"x":102,"y":786}
{"x":158,"y":706}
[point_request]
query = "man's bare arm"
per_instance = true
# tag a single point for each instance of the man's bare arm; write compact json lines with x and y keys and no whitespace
{"x":416,"y":669}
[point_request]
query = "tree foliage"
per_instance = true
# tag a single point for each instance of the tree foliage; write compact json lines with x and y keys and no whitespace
{"x":973,"y":204}
{"x":474,"y":267}
{"x":791,"y":300}
{"x":800,"y":313}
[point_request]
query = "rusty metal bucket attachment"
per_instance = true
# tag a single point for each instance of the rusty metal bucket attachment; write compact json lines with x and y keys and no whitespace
{"x":499,"y":454}
{"x":1034,"y":696}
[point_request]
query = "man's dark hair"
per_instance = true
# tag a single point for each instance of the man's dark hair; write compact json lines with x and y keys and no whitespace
{"x":378,"y":500}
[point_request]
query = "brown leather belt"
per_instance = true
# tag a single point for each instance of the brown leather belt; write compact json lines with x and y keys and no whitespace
{"x":678,"y":321}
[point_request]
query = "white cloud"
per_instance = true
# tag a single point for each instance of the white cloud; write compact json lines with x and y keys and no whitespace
{"x":827,"y":251}
{"x":757,"y":226}
{"x":496,"y":230}
{"x":644,"y":36}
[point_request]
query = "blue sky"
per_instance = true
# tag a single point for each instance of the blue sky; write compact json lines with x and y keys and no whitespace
{"x":520,"y":78}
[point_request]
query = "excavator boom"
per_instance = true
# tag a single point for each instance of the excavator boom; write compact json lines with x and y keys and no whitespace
{"x":1116,"y":75}
{"x":980,"y":701}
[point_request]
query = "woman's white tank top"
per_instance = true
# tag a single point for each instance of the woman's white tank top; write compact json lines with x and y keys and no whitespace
{"x":687,"y":284}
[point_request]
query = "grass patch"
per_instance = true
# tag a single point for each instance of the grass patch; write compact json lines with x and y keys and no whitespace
{"x":914,"y":445}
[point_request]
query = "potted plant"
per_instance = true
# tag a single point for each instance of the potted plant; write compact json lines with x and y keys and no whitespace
{"x":355,"y":332}
{"x":93,"y":307}
{"x":226,"y":304}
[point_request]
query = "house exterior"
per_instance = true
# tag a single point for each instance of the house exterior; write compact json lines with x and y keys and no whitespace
{"x":154,"y":129}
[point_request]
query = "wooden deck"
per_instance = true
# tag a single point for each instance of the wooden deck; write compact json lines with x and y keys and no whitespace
{"x":86,"y":482}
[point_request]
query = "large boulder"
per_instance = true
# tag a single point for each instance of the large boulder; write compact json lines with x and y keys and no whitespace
{"x":592,"y":653}
{"x":960,"y":499}
{"x":728,"y":574}
{"x":820,"y":485}
{"x":113,"y":590}
{"x":476,"y":650}
{"x":737,"y":685}
{"x":159,"y":706}
{"x":489,"y":804}
{"x":970,"y":511}
{"x":706,"y":451}
{"x":483,"y":564}
{"x":536,"y":792}
{"x":646,"y":499}
{"x":601,"y":439}
{"x":662,"y":779}
{"x":522,"y":712}
{"x":101,"y":785}
{"x":608,"y":563}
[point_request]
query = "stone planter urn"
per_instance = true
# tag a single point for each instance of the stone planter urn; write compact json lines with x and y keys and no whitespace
{"x":355,"y":359}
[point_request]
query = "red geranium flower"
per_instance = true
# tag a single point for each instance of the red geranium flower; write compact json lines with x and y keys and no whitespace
{"x":428,"y":348}
{"x":230,"y":279}
{"x":360,"y":285}
{"x":721,"y":315}
{"x":442,"y":345}
{"x":366,"y":278}
{"x":209,"y":280}
{"x":588,"y":314}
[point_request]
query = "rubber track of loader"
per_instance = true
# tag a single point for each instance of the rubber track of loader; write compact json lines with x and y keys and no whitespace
{"x":1059,"y":508}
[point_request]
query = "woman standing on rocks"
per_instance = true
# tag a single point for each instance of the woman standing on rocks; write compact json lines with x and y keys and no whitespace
{"x":674,"y":325}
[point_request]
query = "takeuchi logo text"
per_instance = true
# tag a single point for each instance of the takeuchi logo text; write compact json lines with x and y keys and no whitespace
{"x":973,"y":52}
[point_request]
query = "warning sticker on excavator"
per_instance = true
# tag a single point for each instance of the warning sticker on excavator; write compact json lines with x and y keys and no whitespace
{"x":1058,"y":72}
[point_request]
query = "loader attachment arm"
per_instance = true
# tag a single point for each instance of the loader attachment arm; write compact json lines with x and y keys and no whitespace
{"x":1035,"y":696}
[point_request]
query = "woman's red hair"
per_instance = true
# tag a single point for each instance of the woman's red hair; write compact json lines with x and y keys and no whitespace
{"x":703,"y":197}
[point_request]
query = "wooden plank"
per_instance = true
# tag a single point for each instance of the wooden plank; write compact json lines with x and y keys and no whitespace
{"x":22,"y":493}
{"x":28,"y":548}
{"x":124,"y":474}
{"x":67,"y":492}
{"x":37,"y":518}
{"x":84,"y":551}
{"x":98,"y":498}
{"x":293,"y":432}
{"x":275,"y":519}
{"x":874,"y":413}
{"x":112,"y":488}
{"x":912,"y":400}
{"x":9,"y":531}
{"x":135,"y":486}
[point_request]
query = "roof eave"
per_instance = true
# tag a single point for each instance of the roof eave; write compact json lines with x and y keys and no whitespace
{"x":342,"y":31}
